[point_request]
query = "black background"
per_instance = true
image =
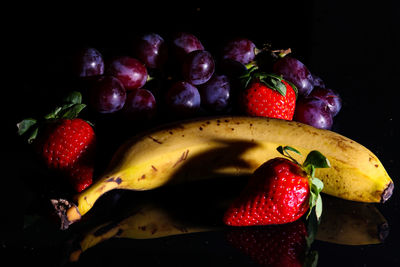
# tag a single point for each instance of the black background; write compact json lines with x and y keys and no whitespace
{"x":353,"y":47}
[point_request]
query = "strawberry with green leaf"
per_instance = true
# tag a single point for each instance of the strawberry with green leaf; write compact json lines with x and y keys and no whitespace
{"x":64,"y":142}
{"x":280,"y":191}
{"x":267,"y":95}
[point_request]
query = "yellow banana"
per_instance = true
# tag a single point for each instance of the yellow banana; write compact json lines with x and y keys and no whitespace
{"x":231,"y":146}
{"x":351,"y":223}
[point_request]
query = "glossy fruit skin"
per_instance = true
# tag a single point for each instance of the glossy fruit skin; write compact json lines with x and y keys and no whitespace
{"x":183,"y":43}
{"x":183,"y":99}
{"x":151,"y":49}
{"x":274,"y":245}
{"x":198,"y":67}
{"x":314,"y":112}
{"x":277,"y":193}
{"x":130,"y":71}
{"x":296,"y":72}
{"x":65,"y":141}
{"x":330,"y":97}
{"x":107,"y":95}
{"x":215,"y":93}
{"x":240,"y":49}
{"x":80,"y":176}
{"x":88,"y":62}
{"x":140,"y":105}
{"x":260,"y":100}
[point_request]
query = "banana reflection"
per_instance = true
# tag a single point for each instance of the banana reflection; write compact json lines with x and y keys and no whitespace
{"x":351,"y":223}
{"x":342,"y":222}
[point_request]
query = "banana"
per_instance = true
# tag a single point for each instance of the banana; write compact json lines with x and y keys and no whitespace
{"x":229,"y":146}
{"x":351,"y":223}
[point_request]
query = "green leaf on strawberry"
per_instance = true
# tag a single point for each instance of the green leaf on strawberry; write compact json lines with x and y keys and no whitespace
{"x":71,"y":107}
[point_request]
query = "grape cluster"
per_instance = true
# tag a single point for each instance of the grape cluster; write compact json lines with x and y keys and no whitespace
{"x":178,"y":77}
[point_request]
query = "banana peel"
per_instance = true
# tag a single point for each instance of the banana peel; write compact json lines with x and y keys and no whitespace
{"x":231,"y":146}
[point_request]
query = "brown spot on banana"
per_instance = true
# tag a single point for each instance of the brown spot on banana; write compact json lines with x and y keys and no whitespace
{"x":182,"y":158}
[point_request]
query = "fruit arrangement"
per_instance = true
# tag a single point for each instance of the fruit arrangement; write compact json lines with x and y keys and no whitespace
{"x":250,"y":111}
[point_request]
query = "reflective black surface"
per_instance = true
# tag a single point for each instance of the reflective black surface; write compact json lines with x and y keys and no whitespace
{"x":353,"y":48}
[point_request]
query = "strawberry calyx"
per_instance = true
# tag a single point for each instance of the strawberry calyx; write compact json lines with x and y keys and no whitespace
{"x":314,"y":160}
{"x":271,"y":80}
{"x":70,"y":108}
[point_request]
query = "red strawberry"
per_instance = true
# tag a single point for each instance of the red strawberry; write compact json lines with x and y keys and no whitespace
{"x":268,"y":95}
{"x":275,"y":245}
{"x":66,"y":143}
{"x":280,"y":191}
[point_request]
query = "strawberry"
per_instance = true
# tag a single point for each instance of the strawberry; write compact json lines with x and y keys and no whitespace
{"x":64,"y":142}
{"x":268,"y":95}
{"x":275,"y":245}
{"x":279,"y":191}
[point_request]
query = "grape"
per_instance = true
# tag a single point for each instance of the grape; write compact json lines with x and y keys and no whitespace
{"x":130,"y":71}
{"x":140,"y":104}
{"x":215,"y":93}
{"x":107,"y":95}
{"x":88,"y":62}
{"x":296,"y":72}
{"x":330,"y":97}
{"x":231,"y":68}
{"x":151,"y":49}
{"x":313,"y":112}
{"x":239,"y":49}
{"x":183,"y":43}
{"x":198,"y":67}
{"x":183,"y":99}
{"x":317,"y":81}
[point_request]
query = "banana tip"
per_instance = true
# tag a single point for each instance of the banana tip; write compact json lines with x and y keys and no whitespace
{"x":383,"y":231}
{"x":387,"y":193}
{"x":66,"y":211}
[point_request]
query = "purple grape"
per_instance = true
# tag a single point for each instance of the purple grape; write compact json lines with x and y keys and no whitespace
{"x":183,"y":43}
{"x":296,"y":72}
{"x":140,"y":104}
{"x":88,"y":62}
{"x":215,"y":93}
{"x":198,"y":67}
{"x":240,"y":49}
{"x":317,"y":81}
{"x":130,"y":71}
{"x":183,"y":99}
{"x":151,"y":49}
{"x":231,"y":68}
{"x":313,"y":112}
{"x":107,"y":95}
{"x":330,"y":97}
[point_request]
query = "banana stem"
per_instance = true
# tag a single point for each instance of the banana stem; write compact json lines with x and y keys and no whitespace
{"x":70,"y":212}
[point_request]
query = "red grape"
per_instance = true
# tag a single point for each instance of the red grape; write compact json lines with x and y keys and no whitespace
{"x":88,"y":62}
{"x":239,"y":49}
{"x":198,"y":67}
{"x":183,"y":43}
{"x":215,"y":93}
{"x":330,"y":97}
{"x":130,"y":71}
{"x":140,"y":104}
{"x":107,"y":95}
{"x":151,"y":49}
{"x":296,"y":72}
{"x":183,"y":99}
{"x":313,"y":112}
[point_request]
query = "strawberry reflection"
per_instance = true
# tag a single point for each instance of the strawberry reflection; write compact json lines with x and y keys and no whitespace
{"x":274,"y":245}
